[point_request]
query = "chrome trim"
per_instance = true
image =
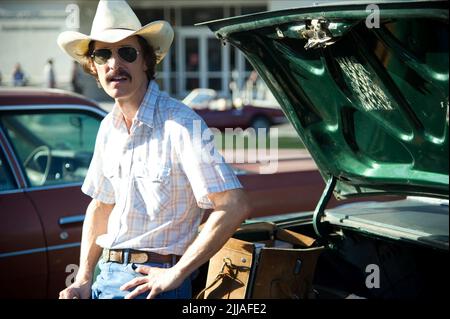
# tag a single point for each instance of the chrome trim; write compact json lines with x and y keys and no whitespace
{"x":38,"y":250}
{"x":44,"y":107}
{"x":19,"y":165}
{"x":12,"y":191}
{"x":75,"y":219}
{"x":49,"y":187}
{"x":11,"y":167}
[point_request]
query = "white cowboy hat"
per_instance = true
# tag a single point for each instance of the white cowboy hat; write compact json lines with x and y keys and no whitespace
{"x":113,"y":22}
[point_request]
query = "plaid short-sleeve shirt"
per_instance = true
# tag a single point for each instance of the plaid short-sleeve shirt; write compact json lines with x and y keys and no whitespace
{"x":158,"y":176}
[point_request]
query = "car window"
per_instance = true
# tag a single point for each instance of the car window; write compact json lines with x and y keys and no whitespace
{"x":53,"y":148}
{"x":6,"y":177}
{"x":199,"y":99}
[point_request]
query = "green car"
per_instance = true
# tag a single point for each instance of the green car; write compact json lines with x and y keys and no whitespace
{"x":365,"y":85}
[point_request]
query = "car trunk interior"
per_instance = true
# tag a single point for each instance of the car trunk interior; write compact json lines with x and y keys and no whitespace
{"x":406,"y":270}
{"x":362,"y":265}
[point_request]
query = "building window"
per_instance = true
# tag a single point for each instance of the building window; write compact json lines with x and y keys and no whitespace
{"x":149,"y":15}
{"x":253,"y":9}
{"x":197,"y":58}
{"x":191,"y":16}
{"x":214,"y":55}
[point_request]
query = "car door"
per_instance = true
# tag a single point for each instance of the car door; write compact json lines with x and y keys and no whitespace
{"x":23,"y":254}
{"x":54,"y":149}
{"x":224,"y":118}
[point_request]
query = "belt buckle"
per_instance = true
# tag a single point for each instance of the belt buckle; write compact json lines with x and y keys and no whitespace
{"x":119,"y":256}
{"x":140,"y":258}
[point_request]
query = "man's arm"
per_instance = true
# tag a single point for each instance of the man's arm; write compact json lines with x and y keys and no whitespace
{"x":231,"y":208}
{"x":95,"y":224}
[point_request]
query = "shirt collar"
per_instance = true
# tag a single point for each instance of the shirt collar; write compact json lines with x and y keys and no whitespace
{"x":117,"y":117}
{"x":146,"y":109}
{"x":148,"y":105}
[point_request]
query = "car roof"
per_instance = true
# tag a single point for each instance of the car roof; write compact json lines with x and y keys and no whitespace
{"x":38,"y":96}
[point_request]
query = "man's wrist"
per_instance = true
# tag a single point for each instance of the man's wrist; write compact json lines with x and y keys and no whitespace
{"x":83,"y":278}
{"x":184,"y":268}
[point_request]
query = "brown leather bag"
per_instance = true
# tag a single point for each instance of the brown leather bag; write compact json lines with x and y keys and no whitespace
{"x":244,"y":269}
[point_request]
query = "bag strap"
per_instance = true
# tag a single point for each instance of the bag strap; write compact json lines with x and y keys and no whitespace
{"x":228,"y":270}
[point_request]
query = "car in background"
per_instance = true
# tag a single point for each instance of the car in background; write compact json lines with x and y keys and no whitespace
{"x":47,"y":139}
{"x":365,"y":84}
{"x":222,"y":113}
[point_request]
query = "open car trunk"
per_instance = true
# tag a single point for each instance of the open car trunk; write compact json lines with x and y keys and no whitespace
{"x":369,"y":100}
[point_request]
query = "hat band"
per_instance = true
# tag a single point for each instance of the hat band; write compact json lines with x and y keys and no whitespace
{"x":108,"y":29}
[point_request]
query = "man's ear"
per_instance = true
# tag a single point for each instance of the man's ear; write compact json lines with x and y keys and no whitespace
{"x":92,"y":68}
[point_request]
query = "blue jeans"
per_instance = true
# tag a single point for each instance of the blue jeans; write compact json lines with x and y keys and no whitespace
{"x":113,"y":275}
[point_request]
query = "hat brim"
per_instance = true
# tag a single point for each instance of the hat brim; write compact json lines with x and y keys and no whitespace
{"x":159,"y":34}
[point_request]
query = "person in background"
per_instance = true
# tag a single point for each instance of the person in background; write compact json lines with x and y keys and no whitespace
{"x":49,"y":74}
{"x":18,"y":76}
{"x":76,"y":78}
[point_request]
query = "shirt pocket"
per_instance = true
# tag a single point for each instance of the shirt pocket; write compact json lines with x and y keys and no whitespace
{"x":111,"y":173}
{"x":152,"y":190}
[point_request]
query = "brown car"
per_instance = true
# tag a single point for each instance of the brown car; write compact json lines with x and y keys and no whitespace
{"x":46,"y":143}
{"x":222,"y":114}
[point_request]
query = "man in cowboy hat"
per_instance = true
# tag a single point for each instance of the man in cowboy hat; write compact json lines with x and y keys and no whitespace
{"x":151,"y":173}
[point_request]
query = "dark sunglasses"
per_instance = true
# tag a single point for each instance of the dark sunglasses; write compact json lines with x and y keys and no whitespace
{"x":128,"y":54}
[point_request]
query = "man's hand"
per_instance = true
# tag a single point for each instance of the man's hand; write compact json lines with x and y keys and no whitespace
{"x":77,"y":291}
{"x":95,"y":224}
{"x":156,"y":280}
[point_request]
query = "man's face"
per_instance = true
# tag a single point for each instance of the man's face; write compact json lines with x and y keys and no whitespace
{"x":119,"y":78}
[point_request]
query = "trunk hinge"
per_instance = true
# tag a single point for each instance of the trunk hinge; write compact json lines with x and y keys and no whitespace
{"x":318,"y":34}
{"x":321,"y":228}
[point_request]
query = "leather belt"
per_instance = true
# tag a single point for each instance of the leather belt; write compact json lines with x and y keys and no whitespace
{"x":137,"y":256}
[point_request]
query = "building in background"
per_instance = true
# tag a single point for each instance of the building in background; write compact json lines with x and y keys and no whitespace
{"x":29,"y":28}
